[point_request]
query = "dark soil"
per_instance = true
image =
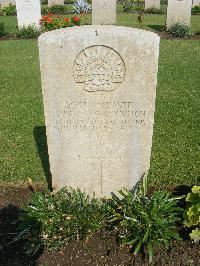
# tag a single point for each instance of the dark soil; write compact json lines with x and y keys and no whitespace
{"x":100,"y":249}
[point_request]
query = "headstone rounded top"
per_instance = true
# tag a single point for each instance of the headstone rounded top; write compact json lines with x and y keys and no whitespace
{"x":94,"y":30}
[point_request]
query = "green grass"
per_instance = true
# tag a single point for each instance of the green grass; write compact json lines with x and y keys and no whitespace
{"x":176,"y":145}
{"x":20,"y":111}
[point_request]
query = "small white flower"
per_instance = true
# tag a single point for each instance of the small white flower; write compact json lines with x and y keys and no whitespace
{"x":81,"y":6}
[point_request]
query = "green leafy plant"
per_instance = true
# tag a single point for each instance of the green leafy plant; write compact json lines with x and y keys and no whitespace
{"x":153,"y":10}
{"x":52,"y":22}
{"x":51,"y":220}
{"x":192,"y":213}
{"x":127,"y":5}
{"x":44,"y":10}
{"x":69,"y":1}
{"x":9,"y":10}
{"x":44,"y":2}
{"x":196,"y":10}
{"x":180,"y":30}
{"x":29,"y":32}
{"x":2,"y":29}
{"x":145,"y":221}
{"x":58,"y":9}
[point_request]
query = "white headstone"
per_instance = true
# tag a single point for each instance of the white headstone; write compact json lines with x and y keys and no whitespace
{"x":103,"y":12}
{"x":178,"y":11}
{"x":99,"y":89}
{"x":152,"y":4}
{"x":6,"y":3}
{"x":55,"y":2}
{"x":28,"y":12}
{"x":195,"y":2}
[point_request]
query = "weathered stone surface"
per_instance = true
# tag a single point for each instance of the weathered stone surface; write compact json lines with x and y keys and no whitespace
{"x":195,"y":2}
{"x":28,"y":12}
{"x":103,"y":12}
{"x":152,"y":3}
{"x":99,"y":89}
{"x":55,"y":2}
{"x":178,"y":11}
{"x":5,"y":3}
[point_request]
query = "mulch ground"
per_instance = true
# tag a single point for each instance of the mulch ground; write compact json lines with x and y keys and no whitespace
{"x":100,"y":249}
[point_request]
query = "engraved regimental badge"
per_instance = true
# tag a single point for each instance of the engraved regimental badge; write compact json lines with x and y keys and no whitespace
{"x":99,"y":68}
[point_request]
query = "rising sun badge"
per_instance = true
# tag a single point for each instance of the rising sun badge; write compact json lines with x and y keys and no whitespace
{"x":99,"y":68}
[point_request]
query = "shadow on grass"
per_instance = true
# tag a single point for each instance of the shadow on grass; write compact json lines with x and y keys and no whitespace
{"x":41,"y":142}
{"x":12,"y":252}
{"x":159,"y":28}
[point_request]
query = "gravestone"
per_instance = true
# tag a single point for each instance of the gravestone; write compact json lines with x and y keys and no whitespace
{"x":195,"y":2}
{"x":178,"y":11}
{"x":152,"y":4}
{"x":6,"y":3}
{"x":28,"y":13}
{"x":103,"y":12}
{"x":55,"y":2}
{"x":99,"y":89}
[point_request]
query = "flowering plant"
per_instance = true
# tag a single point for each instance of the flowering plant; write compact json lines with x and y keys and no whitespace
{"x":52,"y":22}
{"x":81,"y":6}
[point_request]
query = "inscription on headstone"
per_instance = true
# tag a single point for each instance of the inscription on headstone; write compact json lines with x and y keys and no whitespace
{"x":99,"y":87}
{"x":178,"y":11}
{"x":28,"y":12}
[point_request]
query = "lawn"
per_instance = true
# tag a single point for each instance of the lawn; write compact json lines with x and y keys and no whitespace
{"x":176,"y":143}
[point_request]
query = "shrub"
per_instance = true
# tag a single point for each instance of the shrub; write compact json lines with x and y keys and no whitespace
{"x":9,"y":10}
{"x":180,"y":30}
{"x":69,"y":1}
{"x":192,"y":213}
{"x":2,"y":29}
{"x":51,"y":220}
{"x":127,"y":5}
{"x":81,"y":6}
{"x":44,"y":10}
{"x":29,"y":32}
{"x":51,"y":22}
{"x":44,"y":2}
{"x":143,"y":221}
{"x":57,"y":9}
{"x":153,"y":10}
{"x":196,"y":10}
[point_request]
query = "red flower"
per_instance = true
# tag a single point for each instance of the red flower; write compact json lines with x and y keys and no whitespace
{"x":49,"y":20}
{"x":76,"y":19}
{"x":50,"y":14}
{"x":66,"y":20}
